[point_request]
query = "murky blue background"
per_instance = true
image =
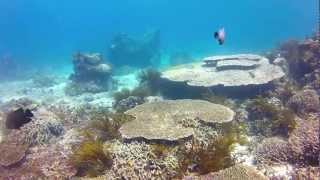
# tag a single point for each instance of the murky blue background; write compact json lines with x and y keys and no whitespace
{"x":49,"y":31}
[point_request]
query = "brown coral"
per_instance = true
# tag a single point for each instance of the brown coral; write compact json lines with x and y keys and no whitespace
{"x":304,"y":141}
{"x":305,"y":101}
{"x":310,"y":173}
{"x":301,"y":149}
{"x":273,"y":151}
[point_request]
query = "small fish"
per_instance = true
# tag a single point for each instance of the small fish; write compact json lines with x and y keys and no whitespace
{"x":220,"y":35}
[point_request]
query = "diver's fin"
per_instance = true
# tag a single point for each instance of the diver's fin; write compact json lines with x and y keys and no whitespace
{"x":216,"y":35}
{"x":221,"y":41}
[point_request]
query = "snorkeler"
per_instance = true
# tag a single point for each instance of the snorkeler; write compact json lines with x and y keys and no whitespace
{"x":220,"y":35}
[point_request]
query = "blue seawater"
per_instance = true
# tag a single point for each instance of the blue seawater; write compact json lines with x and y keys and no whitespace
{"x":42,"y":32}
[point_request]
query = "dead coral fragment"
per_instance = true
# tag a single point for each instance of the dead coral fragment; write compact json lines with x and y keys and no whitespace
{"x":13,"y":149}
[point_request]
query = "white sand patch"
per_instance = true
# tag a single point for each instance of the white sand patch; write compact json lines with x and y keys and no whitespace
{"x":56,"y":95}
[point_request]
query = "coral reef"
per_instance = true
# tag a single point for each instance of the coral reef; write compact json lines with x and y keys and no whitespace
{"x":90,"y":158}
{"x":44,"y":127}
{"x":105,"y":125}
{"x":304,"y":102}
{"x":128,"y":103}
{"x":304,"y":141}
{"x":160,"y":120}
{"x":204,"y":155}
{"x":270,"y":117}
{"x":302,"y":58}
{"x":135,"y":160}
{"x":237,"y":172}
{"x":90,"y":74}
{"x":46,"y":162}
{"x":137,"y":52}
{"x":273,"y":150}
{"x":284,"y":90}
{"x":311,"y":173}
{"x":301,"y":148}
{"x":203,"y":159}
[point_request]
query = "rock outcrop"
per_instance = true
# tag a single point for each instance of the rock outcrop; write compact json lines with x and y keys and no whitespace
{"x":160,"y":120}
{"x":126,"y":50}
{"x":90,"y":74}
{"x":226,"y":71}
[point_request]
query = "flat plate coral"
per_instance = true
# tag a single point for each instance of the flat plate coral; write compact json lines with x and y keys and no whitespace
{"x":230,"y":71}
{"x":160,"y":120}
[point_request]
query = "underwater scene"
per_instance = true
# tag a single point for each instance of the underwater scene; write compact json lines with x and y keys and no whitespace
{"x":159,"y":89}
